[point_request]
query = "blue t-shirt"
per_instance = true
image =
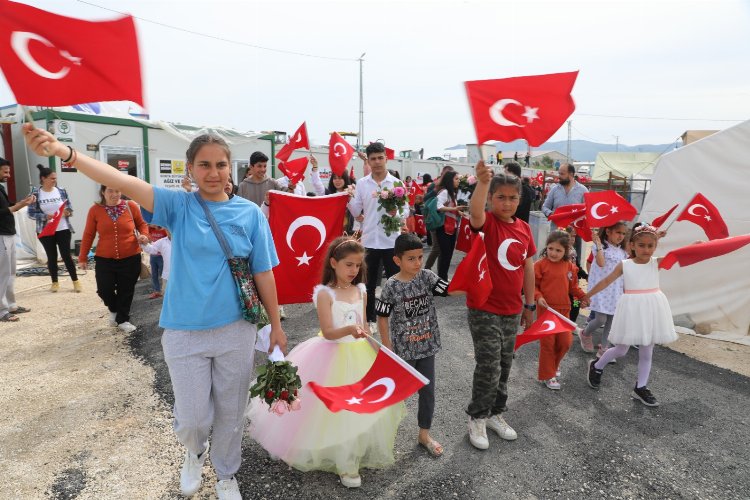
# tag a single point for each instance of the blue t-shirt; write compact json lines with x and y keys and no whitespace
{"x":201,"y":293}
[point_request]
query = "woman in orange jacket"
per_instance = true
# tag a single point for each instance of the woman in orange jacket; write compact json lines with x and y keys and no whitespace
{"x":556,"y":279}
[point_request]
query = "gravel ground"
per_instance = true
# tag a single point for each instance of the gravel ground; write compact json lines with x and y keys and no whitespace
{"x":89,"y":418}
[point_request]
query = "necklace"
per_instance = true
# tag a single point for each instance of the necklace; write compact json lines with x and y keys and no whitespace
{"x":342,"y":287}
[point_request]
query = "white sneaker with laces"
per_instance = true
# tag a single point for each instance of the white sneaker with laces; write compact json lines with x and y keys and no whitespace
{"x":478,"y":433}
{"x":127,"y":327}
{"x":191,"y":474}
{"x":228,"y":489}
{"x":552,"y":384}
{"x":112,"y":319}
{"x":498,"y":424}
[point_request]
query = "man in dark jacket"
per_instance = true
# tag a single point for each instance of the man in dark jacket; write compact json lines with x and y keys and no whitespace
{"x":527,"y":192}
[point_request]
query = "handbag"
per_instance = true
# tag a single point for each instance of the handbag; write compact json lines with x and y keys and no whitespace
{"x":252,"y":308}
{"x":145,"y":272}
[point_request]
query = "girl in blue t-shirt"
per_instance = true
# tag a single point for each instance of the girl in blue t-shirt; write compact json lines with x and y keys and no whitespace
{"x":207,"y":345}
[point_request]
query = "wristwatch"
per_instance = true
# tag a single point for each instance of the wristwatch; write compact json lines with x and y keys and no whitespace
{"x":530,"y":307}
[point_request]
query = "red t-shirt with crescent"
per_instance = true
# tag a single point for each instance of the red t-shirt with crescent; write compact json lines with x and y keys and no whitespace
{"x":508,"y":244}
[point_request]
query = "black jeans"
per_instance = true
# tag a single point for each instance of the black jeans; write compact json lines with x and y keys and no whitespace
{"x":447,"y":243}
{"x":425,"y":366}
{"x":373,"y":258}
{"x":115,"y":283}
{"x":61,"y":240}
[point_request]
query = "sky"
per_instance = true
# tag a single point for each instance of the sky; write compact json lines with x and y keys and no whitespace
{"x":649,"y":70}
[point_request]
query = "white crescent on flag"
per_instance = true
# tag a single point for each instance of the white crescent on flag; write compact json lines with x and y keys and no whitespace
{"x":19,"y":41}
{"x":388,"y":383}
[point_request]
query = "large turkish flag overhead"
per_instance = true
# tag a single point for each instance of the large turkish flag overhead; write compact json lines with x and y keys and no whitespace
{"x":53,"y":60}
{"x":523,"y":107}
{"x":302,"y":227}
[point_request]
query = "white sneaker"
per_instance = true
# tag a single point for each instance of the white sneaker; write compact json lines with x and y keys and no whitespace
{"x":552,"y":384}
{"x":191,"y":474}
{"x":558,"y":373}
{"x":227,"y":489}
{"x":351,"y":481}
{"x":127,"y":327}
{"x":498,"y":424}
{"x":112,"y":319}
{"x":478,"y":433}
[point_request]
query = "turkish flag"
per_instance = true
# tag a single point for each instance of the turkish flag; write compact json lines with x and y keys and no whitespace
{"x":389,"y":380}
{"x":473,"y":275}
{"x":565,"y":215}
{"x":51,"y":227}
{"x":390,"y":154}
{"x":540,"y":178}
{"x":339,"y":154}
{"x":419,"y":226}
{"x":605,"y":208}
{"x":302,"y":227}
{"x":548,"y":323}
{"x":413,"y":190}
{"x":295,"y":169}
{"x":702,"y":212}
{"x":659,"y":221}
{"x":523,"y":107}
{"x":697,"y":252}
{"x":53,"y":60}
{"x":465,"y":235}
{"x":298,"y":140}
{"x":352,"y":179}
{"x":582,"y":228}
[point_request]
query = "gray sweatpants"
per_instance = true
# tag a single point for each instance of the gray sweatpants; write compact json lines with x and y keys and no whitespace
{"x":7,"y":273}
{"x":211,"y":372}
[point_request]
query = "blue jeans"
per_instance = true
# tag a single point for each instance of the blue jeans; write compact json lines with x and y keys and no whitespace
{"x":157,"y":266}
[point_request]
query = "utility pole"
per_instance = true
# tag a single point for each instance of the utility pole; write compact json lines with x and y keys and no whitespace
{"x":617,"y":143}
{"x":570,"y":140}
{"x":361,"y":131}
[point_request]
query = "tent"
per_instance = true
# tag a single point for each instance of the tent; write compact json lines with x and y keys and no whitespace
{"x":715,"y":293}
{"x":639,"y":165}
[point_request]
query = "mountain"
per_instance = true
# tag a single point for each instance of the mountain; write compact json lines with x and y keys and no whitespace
{"x":580,"y":150}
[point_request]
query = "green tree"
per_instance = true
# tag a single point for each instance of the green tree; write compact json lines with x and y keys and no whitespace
{"x":547,"y":162}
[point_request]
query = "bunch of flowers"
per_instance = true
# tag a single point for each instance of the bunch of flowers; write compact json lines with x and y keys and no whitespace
{"x":390,"y":200}
{"x":278,"y":385}
{"x":466,"y":182}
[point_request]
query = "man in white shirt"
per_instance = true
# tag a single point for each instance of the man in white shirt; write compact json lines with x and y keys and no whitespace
{"x":378,"y":246}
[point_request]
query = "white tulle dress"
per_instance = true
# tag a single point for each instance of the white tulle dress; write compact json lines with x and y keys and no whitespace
{"x":643,"y":315}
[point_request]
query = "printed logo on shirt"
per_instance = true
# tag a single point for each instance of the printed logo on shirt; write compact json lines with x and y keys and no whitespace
{"x":383,"y":308}
{"x":237,"y":230}
{"x":570,"y":275}
{"x":417,"y":306}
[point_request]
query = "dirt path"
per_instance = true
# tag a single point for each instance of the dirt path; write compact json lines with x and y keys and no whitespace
{"x":81,"y":419}
{"x":80,"y":415}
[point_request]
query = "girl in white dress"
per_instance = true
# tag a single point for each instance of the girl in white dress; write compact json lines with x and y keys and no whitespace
{"x":642,"y":317}
{"x":314,"y":438}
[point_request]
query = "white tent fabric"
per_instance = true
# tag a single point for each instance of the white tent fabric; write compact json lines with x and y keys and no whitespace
{"x":29,"y":252}
{"x":715,"y":292}
{"x":639,"y":165}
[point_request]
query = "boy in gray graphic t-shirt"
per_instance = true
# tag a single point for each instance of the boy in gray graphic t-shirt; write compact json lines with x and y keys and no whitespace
{"x":407,"y":321}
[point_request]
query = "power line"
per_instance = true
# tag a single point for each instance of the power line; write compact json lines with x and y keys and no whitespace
{"x":222,"y":39}
{"x":658,"y":118}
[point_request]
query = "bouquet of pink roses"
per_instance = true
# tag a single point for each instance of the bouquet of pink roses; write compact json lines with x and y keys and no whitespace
{"x":390,"y":200}
{"x":278,"y":385}
{"x":466,"y":182}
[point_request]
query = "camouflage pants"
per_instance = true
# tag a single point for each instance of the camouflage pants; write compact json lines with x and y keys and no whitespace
{"x":494,"y":338}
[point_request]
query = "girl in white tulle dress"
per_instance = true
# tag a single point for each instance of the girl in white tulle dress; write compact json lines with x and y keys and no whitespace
{"x":642,"y":317}
{"x":314,"y":438}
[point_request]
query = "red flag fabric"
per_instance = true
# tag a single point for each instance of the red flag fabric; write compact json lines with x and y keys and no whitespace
{"x":698,"y":252}
{"x":419,"y":226}
{"x":565,"y":215}
{"x":465,"y":235}
{"x":389,"y":380}
{"x":53,"y":60}
{"x":352,"y":179}
{"x":604,"y":208}
{"x":51,"y":227}
{"x":390,"y":154}
{"x":302,"y":227}
{"x":298,"y":141}
{"x":473,"y":275}
{"x":339,"y":154}
{"x":540,"y":178}
{"x":295,"y":169}
{"x":702,"y":212}
{"x":582,"y":228}
{"x":413,"y":190}
{"x":548,"y":323}
{"x":524,"y":107}
{"x":659,"y":221}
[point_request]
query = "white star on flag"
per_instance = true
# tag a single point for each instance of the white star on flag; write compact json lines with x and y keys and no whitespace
{"x":305,"y":259}
{"x":613,"y":210}
{"x":707,"y":217}
{"x":354,"y":401}
{"x":481,"y":275}
{"x":531,"y":114}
